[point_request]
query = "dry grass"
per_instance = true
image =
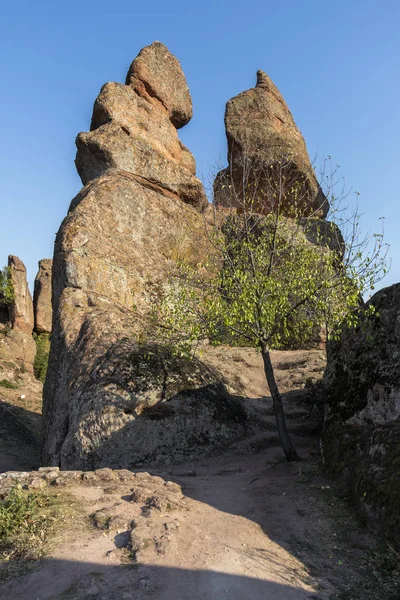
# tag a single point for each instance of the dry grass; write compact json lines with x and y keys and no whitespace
{"x":30,"y":522}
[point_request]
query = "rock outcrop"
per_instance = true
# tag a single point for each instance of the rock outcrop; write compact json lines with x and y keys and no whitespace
{"x":42,"y":297}
{"x":133,"y":128}
{"x":112,"y":251}
{"x":361,"y":439}
{"x":21,"y":310}
{"x":17,"y":347}
{"x":264,"y":143}
{"x":157,"y":76}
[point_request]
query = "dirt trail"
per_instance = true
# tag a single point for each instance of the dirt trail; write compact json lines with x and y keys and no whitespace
{"x":241,"y":525}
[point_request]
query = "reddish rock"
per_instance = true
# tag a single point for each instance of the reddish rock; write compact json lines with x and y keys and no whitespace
{"x":21,"y":311}
{"x":262,"y":135}
{"x":157,"y":76}
{"x":137,"y":214}
{"x":42,"y":297}
{"x":17,"y":346}
{"x":133,"y":132}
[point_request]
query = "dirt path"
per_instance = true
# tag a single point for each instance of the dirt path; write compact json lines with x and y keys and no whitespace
{"x":244,"y":525}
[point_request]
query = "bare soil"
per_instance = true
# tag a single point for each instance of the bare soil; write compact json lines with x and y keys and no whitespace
{"x":243,"y":524}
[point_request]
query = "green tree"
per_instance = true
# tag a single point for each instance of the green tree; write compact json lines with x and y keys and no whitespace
{"x":275,"y":270}
{"x":7,"y":294}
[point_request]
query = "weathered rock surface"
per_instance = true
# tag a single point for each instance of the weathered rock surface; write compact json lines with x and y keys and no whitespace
{"x":17,"y":351}
{"x":157,"y":76}
{"x":262,"y":135}
{"x":361,"y":440}
{"x":42,"y":297}
{"x":131,"y":131}
{"x":21,"y":310}
{"x":143,"y":405}
{"x":17,"y":347}
{"x":113,"y":250}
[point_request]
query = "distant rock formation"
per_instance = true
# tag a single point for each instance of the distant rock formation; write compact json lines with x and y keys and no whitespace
{"x":21,"y":310}
{"x":112,"y":250}
{"x":17,"y":347}
{"x":262,"y":135}
{"x":42,"y":297}
{"x":361,"y":438}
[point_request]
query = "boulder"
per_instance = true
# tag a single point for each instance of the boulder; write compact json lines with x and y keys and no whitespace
{"x":17,"y":353}
{"x":157,"y":76}
{"x":361,"y":437}
{"x":264,"y":144}
{"x":21,"y":310}
{"x":111,"y":397}
{"x":112,"y":250}
{"x":130,"y":132}
{"x":42,"y":297}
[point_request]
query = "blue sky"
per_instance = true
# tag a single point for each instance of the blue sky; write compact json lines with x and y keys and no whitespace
{"x":336,"y":63}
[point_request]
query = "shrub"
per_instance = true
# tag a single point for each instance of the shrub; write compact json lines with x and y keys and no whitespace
{"x":7,"y":294}
{"x":26,"y":518}
{"x":42,"y":356}
{"x":8,"y":384}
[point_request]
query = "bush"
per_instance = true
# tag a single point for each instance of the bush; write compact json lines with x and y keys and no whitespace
{"x":26,"y":518}
{"x":42,"y":356}
{"x":8,"y":384}
{"x":7,"y":294}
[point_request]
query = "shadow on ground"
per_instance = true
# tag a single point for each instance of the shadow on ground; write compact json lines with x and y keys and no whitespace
{"x":19,"y":438}
{"x":100,"y":582}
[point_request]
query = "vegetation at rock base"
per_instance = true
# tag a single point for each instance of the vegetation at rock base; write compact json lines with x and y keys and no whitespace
{"x":26,"y":519}
{"x":8,"y":384}
{"x":29,"y":520}
{"x":274,"y":272}
{"x":42,"y":356}
{"x":7,"y":294}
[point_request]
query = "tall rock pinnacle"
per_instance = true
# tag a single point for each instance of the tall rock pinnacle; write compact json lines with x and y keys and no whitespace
{"x":261,"y":133}
{"x":133,"y":128}
{"x":134,"y":218}
{"x":42,"y":297}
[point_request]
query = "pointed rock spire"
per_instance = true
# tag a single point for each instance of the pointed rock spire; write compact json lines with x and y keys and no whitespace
{"x":261,"y":133}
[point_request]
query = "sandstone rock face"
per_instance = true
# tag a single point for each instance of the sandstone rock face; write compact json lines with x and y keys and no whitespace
{"x":17,"y":351}
{"x":42,"y":297}
{"x":361,"y":440}
{"x":112,"y":252}
{"x":22,"y":307}
{"x":262,"y":135}
{"x":133,"y":131}
{"x":157,"y":76}
{"x":17,"y":347}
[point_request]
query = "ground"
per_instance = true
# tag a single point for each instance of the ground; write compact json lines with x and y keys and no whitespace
{"x":243,"y":524}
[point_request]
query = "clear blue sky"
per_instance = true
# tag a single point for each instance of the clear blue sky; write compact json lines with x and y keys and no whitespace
{"x":336,"y":63}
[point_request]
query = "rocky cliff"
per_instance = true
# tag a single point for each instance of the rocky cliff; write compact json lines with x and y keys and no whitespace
{"x":112,"y":250}
{"x":264,"y":143}
{"x":361,"y":438}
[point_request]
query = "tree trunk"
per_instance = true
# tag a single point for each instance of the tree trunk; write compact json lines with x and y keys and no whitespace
{"x":286,"y":443}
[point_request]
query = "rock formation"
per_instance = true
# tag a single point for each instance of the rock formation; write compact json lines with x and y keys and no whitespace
{"x":42,"y":297}
{"x":262,"y":136}
{"x":157,"y":76}
{"x":17,"y":347}
{"x":361,"y":439}
{"x":21,"y":310}
{"x":112,"y":251}
{"x":133,"y":128}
